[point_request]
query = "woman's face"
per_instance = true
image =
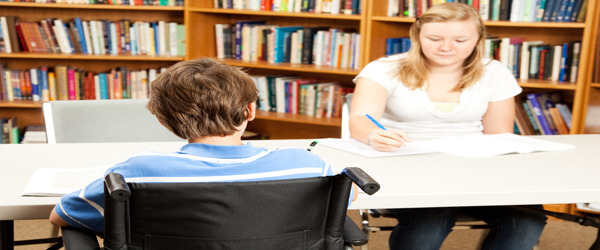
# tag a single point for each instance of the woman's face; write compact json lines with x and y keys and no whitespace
{"x":448,"y":43}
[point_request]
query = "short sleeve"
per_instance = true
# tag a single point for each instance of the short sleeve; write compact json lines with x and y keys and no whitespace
{"x":504,"y":85}
{"x":382,"y":72}
{"x":84,"y":208}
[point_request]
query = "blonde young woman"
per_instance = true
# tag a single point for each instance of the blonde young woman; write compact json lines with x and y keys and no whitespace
{"x":442,"y":87}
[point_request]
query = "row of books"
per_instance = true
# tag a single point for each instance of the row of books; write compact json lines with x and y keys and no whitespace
{"x":542,"y":114}
{"x":297,"y":95}
{"x":397,"y":45}
{"x":258,"y":41}
{"x":536,"y":59}
{"x":502,"y":10}
{"x":92,"y":37}
{"x":347,"y":7}
{"x":9,"y":131}
{"x":68,"y":83}
{"x":111,"y":2}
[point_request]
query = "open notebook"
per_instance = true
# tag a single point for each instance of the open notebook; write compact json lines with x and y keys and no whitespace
{"x":479,"y":145}
{"x":61,"y":181}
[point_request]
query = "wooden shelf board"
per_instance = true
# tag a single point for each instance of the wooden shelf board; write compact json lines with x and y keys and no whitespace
{"x":596,"y":85}
{"x":20,"y":104}
{"x":545,"y":84}
{"x":276,"y":13}
{"x":586,"y":211}
{"x":492,"y":23}
{"x":292,"y":67}
{"x":304,"y":119}
{"x":394,"y":19}
{"x":27,"y":55}
{"x":91,"y":6}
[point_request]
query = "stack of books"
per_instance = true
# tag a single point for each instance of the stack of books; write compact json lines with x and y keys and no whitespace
{"x":34,"y":134}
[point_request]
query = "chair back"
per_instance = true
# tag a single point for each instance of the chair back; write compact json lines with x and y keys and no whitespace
{"x":346,"y":116}
{"x":284,"y":214}
{"x":103,"y":121}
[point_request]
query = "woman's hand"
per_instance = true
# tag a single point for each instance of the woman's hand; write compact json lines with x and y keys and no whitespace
{"x":387,"y":140}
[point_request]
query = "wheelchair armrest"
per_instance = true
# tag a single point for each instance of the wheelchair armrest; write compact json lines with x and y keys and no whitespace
{"x":354,"y":235}
{"x":362,"y":180}
{"x":79,"y":239}
{"x":117,"y":187}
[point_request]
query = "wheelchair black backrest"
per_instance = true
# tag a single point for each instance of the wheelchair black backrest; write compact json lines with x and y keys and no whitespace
{"x":284,"y":214}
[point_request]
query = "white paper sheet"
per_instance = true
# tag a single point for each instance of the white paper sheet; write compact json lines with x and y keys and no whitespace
{"x":359,"y":148}
{"x":480,"y":145}
{"x":61,"y":181}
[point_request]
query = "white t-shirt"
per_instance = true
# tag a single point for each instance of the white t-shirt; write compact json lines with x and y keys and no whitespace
{"x":412,"y":112}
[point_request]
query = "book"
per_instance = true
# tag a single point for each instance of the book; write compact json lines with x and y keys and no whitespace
{"x":481,"y":145}
{"x":538,"y":113}
{"x":238,"y":36}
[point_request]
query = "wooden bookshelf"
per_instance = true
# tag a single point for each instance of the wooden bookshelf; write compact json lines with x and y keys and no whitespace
{"x":373,"y":25}
{"x":20,"y":104}
{"x":77,"y":56}
{"x":204,"y":16}
{"x":90,"y":6}
{"x":29,"y":112}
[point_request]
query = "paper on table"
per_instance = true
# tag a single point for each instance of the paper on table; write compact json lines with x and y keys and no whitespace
{"x":359,"y":148}
{"x":61,"y":181}
{"x":480,"y":145}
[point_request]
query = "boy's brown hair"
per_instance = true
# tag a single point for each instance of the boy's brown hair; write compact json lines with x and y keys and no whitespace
{"x":202,"y":97}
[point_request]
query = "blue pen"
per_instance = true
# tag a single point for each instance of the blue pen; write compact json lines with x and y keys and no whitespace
{"x":376,"y":123}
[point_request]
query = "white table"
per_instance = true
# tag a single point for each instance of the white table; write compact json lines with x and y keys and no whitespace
{"x":430,"y":180}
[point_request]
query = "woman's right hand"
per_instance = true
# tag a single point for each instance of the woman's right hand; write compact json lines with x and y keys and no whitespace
{"x":387,"y":140}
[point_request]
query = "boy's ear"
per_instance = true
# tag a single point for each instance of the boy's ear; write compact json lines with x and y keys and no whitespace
{"x":160,"y":122}
{"x":252,"y":111}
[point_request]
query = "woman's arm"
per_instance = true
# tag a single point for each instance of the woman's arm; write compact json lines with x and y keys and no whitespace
{"x":499,"y":117}
{"x":370,"y":98}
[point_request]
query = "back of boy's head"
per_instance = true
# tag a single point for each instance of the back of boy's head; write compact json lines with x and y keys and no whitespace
{"x":202,"y":97}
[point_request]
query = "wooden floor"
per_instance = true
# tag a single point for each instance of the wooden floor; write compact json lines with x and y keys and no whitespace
{"x":556,"y":236}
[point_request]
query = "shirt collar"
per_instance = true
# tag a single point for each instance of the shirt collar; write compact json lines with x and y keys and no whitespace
{"x":221,"y":151}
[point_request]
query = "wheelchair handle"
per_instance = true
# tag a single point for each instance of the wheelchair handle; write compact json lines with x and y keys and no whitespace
{"x":117,"y":187}
{"x":362,"y":180}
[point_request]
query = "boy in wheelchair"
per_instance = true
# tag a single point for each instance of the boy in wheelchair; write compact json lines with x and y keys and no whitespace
{"x":209,"y":103}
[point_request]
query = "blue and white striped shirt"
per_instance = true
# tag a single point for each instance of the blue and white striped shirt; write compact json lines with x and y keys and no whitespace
{"x":195,"y":162}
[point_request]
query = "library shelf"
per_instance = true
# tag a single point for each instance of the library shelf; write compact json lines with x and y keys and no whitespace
{"x":491,"y":23}
{"x":296,"y":118}
{"x":20,"y":104}
{"x":77,"y":56}
{"x":545,"y":84}
{"x":91,"y":6}
{"x":276,"y":13}
{"x":309,"y":68}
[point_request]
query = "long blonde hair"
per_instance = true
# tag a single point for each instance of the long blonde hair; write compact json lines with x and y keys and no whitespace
{"x":413,"y":70}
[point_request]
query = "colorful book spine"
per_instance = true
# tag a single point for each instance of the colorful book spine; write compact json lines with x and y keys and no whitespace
{"x":537,"y":111}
